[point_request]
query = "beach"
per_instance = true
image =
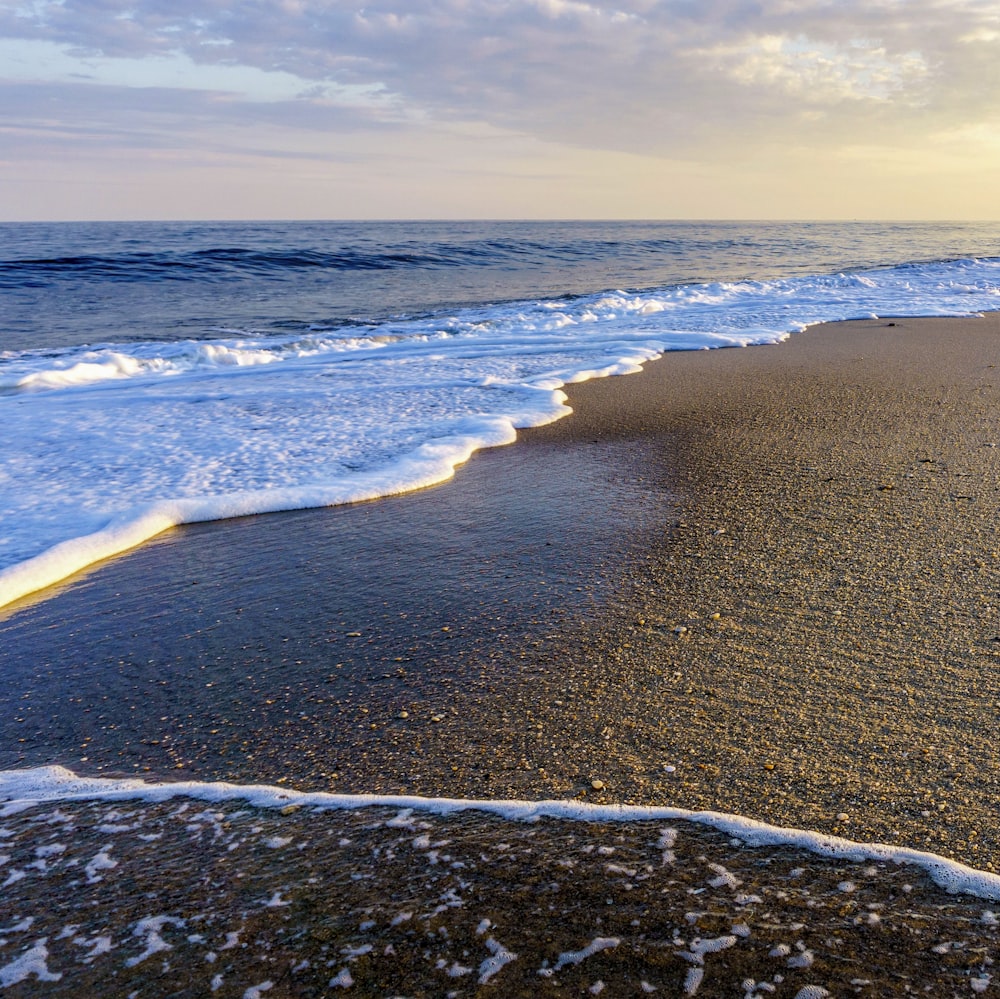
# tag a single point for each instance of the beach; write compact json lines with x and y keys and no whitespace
{"x":841,"y":521}
{"x":756,"y":581}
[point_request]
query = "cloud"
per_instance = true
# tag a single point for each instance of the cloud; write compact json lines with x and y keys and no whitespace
{"x":70,"y":116}
{"x":820,"y":74}
{"x":639,"y":75}
{"x":704,"y":82}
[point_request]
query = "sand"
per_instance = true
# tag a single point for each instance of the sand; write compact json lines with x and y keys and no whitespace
{"x":104,"y":899}
{"x":839,"y":513}
{"x":774,"y":571}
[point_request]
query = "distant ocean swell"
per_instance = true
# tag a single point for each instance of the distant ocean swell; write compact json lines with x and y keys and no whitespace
{"x":227,"y":261}
{"x":105,"y":444}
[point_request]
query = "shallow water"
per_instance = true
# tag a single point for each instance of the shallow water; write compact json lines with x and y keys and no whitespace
{"x":178,"y":653}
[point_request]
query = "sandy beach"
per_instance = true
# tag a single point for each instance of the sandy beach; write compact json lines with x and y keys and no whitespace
{"x":838,"y":513}
{"x":761,"y":581}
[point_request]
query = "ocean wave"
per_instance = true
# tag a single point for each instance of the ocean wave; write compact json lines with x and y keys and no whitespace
{"x":104,"y":446}
{"x":217,"y":262}
{"x":233,"y":261}
{"x":673,"y":314}
{"x":438,"y":895}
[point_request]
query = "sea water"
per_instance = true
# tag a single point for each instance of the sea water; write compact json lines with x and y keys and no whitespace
{"x":161,"y":373}
{"x":154,"y":373}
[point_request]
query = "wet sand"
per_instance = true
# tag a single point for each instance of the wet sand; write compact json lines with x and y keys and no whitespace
{"x":761,"y":581}
{"x":102,"y":900}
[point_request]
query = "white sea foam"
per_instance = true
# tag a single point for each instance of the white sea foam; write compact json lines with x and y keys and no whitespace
{"x":105,"y":446}
{"x":22,"y":789}
{"x":31,"y":962}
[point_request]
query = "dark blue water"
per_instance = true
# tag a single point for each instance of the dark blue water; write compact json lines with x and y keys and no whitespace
{"x":75,"y":283}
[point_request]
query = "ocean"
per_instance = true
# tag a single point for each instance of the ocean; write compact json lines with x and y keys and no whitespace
{"x":153,"y":374}
{"x":161,"y":373}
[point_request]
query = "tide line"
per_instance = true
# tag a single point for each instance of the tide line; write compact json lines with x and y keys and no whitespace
{"x":23,"y":789}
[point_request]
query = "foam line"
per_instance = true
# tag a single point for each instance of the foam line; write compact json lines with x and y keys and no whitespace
{"x":22,"y":789}
{"x":430,"y":464}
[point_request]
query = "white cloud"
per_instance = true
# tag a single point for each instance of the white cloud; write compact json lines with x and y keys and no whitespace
{"x":700,"y":80}
{"x":635,"y":75}
{"x":820,"y":72}
{"x":571,"y":8}
{"x":984,"y":36}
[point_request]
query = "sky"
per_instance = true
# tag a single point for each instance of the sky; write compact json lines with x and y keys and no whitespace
{"x":779,"y":109}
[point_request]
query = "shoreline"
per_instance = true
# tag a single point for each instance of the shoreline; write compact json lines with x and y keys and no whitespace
{"x":758,"y":582}
{"x":830,"y":498}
